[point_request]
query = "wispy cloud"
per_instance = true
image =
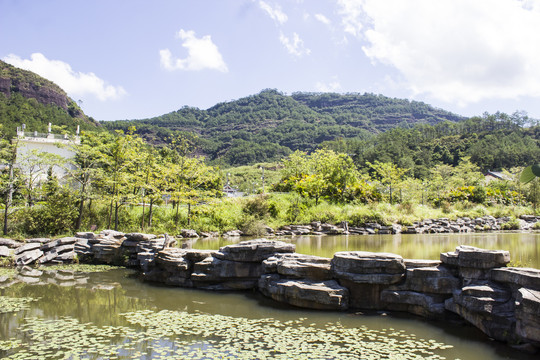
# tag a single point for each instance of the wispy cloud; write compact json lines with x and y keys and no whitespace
{"x":74,"y":83}
{"x":274,"y":12}
{"x":202,"y":54}
{"x":332,"y":86}
{"x":295,"y":46}
{"x":322,"y":18}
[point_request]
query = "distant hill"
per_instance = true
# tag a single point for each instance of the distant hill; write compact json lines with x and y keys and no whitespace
{"x":27,"y":98}
{"x":268,"y":125}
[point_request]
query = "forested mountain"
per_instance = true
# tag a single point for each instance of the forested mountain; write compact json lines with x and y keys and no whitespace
{"x":270,"y":124}
{"x":492,"y":142}
{"x":27,"y":98}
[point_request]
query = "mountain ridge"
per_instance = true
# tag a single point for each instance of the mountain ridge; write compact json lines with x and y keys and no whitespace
{"x":280,"y":123}
{"x":26,"y":97}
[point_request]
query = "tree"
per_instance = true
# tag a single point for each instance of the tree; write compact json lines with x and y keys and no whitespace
{"x":8,"y":153}
{"x":86,"y":166}
{"x":323,"y":173}
{"x":389,"y":175}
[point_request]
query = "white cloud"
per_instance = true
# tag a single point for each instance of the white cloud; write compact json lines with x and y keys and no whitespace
{"x":333,"y":86}
{"x":351,"y":12}
{"x":322,"y":19}
{"x":294,"y":46}
{"x":202,"y":54}
{"x":274,"y":12}
{"x":74,"y":83}
{"x":455,"y":50}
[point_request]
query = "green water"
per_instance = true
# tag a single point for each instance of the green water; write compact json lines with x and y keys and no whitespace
{"x":524,"y":247}
{"x":63,"y":314}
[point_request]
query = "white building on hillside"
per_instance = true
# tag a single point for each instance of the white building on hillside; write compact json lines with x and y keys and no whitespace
{"x":37,"y":152}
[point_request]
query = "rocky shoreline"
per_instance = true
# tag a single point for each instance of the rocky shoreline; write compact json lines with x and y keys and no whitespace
{"x":468,"y":285}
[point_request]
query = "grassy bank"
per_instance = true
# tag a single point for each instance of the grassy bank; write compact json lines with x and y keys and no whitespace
{"x":251,"y":214}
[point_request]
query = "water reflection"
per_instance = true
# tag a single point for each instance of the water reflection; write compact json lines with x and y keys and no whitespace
{"x":524,"y":248}
{"x":98,"y":299}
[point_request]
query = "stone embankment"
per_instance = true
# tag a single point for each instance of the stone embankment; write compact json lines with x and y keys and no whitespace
{"x":428,"y":226}
{"x":468,"y":285}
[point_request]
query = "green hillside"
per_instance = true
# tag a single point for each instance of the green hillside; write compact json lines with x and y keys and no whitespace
{"x":27,"y":98}
{"x":268,"y":125}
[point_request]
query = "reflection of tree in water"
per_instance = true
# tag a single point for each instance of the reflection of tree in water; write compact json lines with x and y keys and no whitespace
{"x":88,"y":297}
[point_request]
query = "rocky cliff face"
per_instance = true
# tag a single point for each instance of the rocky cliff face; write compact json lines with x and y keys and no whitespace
{"x":31,"y":85}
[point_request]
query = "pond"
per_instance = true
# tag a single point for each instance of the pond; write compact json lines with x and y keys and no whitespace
{"x":524,"y":247}
{"x":71,"y":313}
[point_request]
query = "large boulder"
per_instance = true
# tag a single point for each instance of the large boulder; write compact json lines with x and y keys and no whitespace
{"x":368,"y":268}
{"x":488,"y":306}
{"x":299,"y":266}
{"x":218,"y":274}
{"x":254,"y":250}
{"x":12,"y":244}
{"x":526,"y":277}
{"x":433,"y":280}
{"x":528,"y":315}
{"x":28,"y":257}
{"x":5,"y":251}
{"x":311,"y":294}
{"x":426,"y":305}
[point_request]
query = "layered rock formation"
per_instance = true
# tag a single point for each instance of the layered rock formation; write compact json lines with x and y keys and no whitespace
{"x":469,"y":284}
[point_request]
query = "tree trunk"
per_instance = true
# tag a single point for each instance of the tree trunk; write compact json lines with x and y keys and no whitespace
{"x":150,"y":213}
{"x":116,"y":207}
{"x":9,"y":198}
{"x":81,"y":207}
{"x":189,"y":214}
{"x":142,"y":221}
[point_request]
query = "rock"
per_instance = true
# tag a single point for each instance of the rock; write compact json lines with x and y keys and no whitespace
{"x":85,"y":235}
{"x":217,"y":270}
{"x":28,"y":257}
{"x":233,"y":233}
{"x":38,"y":240}
{"x":59,"y":242}
{"x":528,"y":315}
{"x":367,"y":267}
{"x":173,"y":260}
{"x":188,"y":233}
{"x":196,"y":255}
{"x":66,"y":256}
{"x":111,"y":234}
{"x":299,"y":266}
{"x":432,"y":280}
{"x":526,"y":277}
{"x":363,"y":296}
{"x":27,"y":247}
{"x":327,"y":295}
{"x":4,"y":251}
{"x":449,"y":258}
{"x":12,"y":244}
{"x":209,"y":234}
{"x":254,"y":250}
{"x":426,"y":305}
{"x":471,"y":257}
{"x":418,"y":263}
{"x":497,"y":326}
{"x":136,"y":237}
{"x":488,"y":306}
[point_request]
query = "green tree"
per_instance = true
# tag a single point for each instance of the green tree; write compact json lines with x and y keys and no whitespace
{"x":389,"y":175}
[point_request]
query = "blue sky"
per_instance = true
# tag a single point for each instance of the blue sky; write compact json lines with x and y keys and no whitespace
{"x":132,"y":59}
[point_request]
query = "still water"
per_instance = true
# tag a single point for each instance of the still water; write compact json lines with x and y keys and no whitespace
{"x":68,"y":314}
{"x":524,"y":247}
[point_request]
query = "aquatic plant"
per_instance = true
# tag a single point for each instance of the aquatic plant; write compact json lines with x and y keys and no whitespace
{"x":181,"y":335}
{"x":11,"y":304}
